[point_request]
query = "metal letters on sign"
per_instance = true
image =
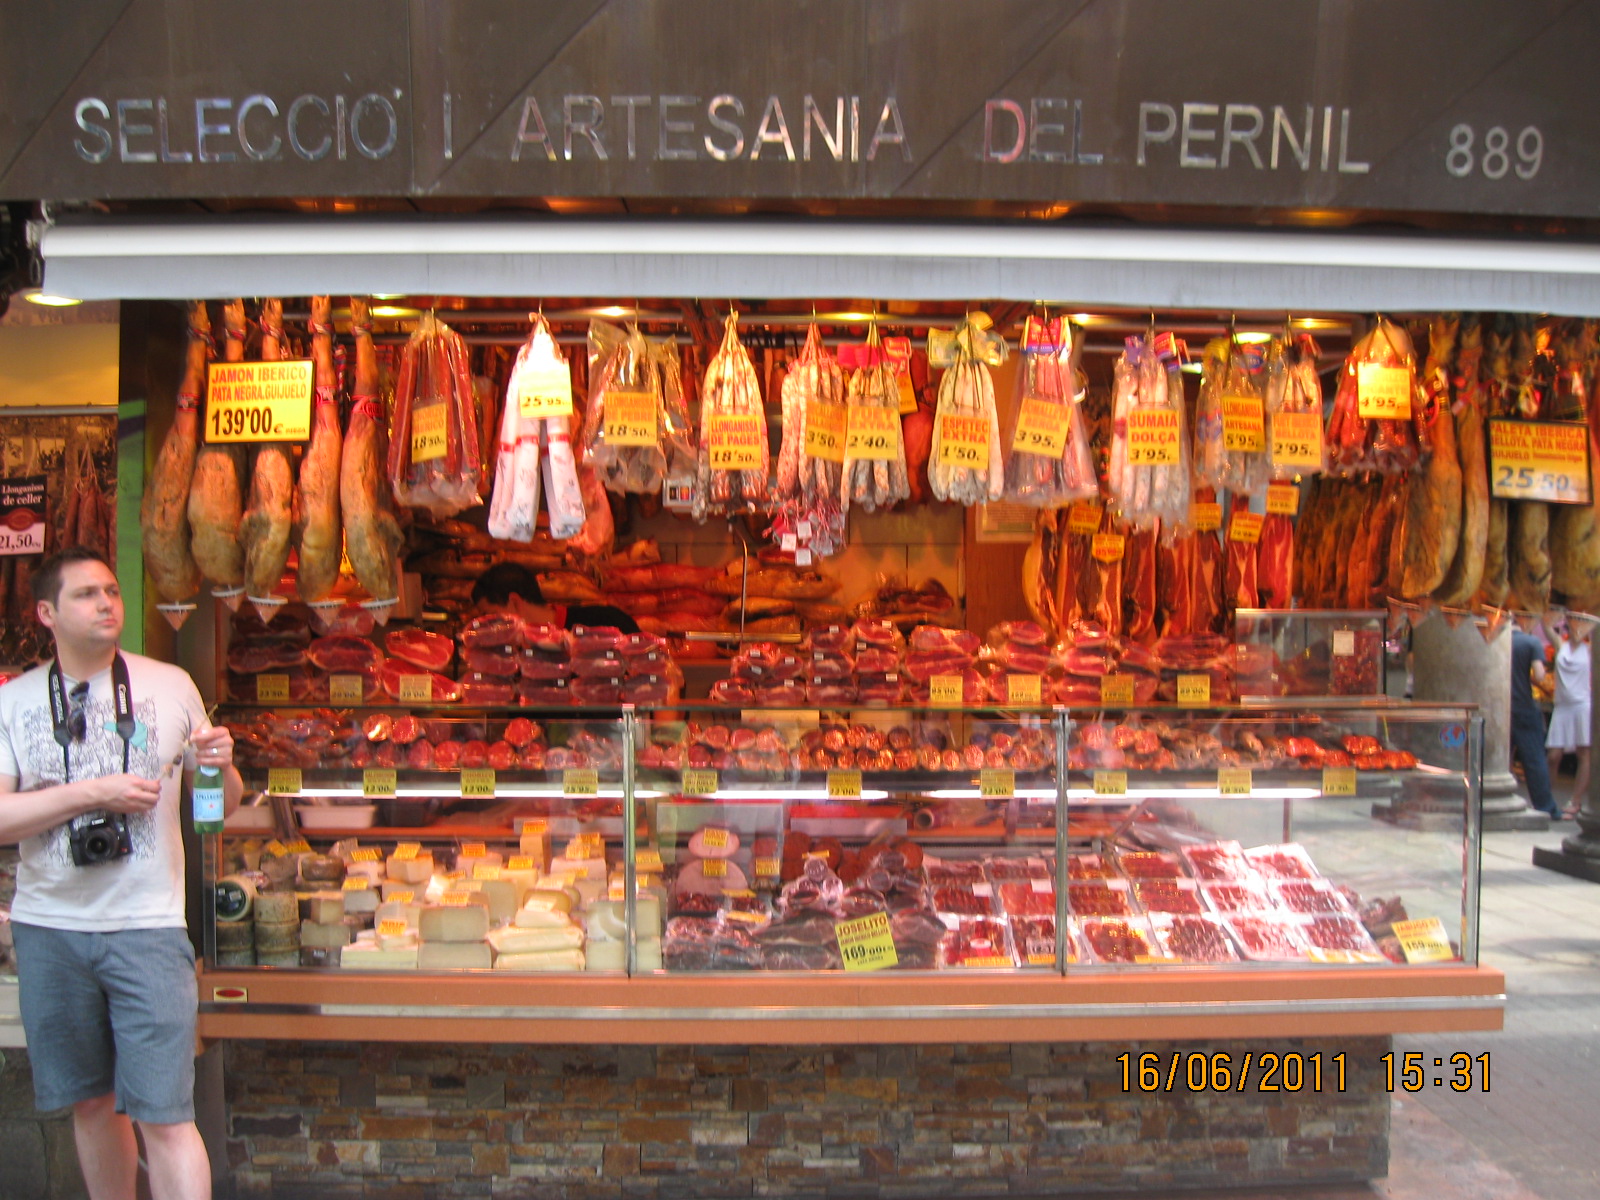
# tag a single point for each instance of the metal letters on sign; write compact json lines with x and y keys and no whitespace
{"x":1075,"y":104}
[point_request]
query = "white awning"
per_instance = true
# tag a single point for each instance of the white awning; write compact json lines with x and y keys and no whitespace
{"x":799,"y":258}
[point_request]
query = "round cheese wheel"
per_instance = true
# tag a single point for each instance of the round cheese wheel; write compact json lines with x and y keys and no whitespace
{"x":321,"y":868}
{"x":235,"y":898}
{"x":274,"y":907}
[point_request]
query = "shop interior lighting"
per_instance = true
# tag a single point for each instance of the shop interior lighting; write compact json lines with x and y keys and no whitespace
{"x":389,"y":311}
{"x":36,"y":296}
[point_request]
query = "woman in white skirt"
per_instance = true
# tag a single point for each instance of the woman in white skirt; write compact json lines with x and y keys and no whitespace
{"x":1569,"y":722}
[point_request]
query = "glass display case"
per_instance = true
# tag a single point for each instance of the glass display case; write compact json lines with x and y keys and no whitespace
{"x":1309,"y":652}
{"x":958,"y":840}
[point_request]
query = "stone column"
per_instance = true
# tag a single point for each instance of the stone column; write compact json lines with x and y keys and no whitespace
{"x":1457,"y":665}
{"x":1579,"y":855}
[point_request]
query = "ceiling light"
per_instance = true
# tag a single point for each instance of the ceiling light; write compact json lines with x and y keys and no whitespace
{"x":1252,"y":337}
{"x":387,"y":296}
{"x":1192,"y":368}
{"x":35,"y":296}
{"x":613,"y":310}
{"x":390,"y":310}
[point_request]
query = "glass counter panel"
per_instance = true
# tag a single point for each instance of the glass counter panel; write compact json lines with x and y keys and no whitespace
{"x":884,"y":838}
{"x":386,"y":839}
{"x":1309,"y":652}
{"x":1336,"y":835}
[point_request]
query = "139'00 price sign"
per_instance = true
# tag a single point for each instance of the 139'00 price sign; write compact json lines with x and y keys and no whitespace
{"x":259,"y":401}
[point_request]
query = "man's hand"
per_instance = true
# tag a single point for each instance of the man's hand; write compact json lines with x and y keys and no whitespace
{"x":122,"y":793}
{"x":213,"y":747}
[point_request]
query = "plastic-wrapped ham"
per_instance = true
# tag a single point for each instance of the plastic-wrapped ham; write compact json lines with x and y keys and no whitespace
{"x":434,"y":461}
{"x":501,"y":661}
{"x":936,"y":638}
{"x":480,"y":688}
{"x":492,"y":631}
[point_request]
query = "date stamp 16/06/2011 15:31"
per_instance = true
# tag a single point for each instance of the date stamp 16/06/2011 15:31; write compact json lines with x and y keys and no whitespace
{"x":1292,"y":1071}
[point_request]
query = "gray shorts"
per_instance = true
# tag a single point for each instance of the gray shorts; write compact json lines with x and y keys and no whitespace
{"x":110,"y":1012}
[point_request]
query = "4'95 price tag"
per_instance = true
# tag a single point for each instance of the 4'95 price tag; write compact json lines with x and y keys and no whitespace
{"x":1110,"y":783}
{"x":1296,"y":439}
{"x":1338,"y":781}
{"x":1383,"y":393}
{"x":630,"y":418}
{"x":825,"y":430}
{"x":1234,"y":781}
{"x":944,"y":691}
{"x":699,"y":782}
{"x":1152,"y":437}
{"x":844,"y":785}
{"x":997,"y":783}
{"x":545,"y":392}
{"x":580,"y":781}
{"x":1194,"y":689}
{"x":1041,"y":428}
{"x":477,"y":783}
{"x":1424,"y":940}
{"x":272,"y":689}
{"x":963,"y":441}
{"x":378,"y":782}
{"x":865,"y":943}
{"x":733,"y":442}
{"x":283,"y":781}
{"x":874,"y":433}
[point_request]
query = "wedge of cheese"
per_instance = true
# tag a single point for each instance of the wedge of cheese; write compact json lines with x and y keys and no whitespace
{"x":549,"y":960}
{"x":513,"y":940}
{"x":455,"y":956}
{"x":454,"y":923}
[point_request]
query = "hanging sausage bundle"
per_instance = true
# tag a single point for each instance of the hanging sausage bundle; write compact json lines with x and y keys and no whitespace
{"x":811,"y":455}
{"x":1370,"y":428}
{"x":965,"y":463}
{"x":627,"y":424}
{"x":733,"y":463}
{"x":874,"y":452}
{"x":433,"y":435}
{"x":537,"y":415}
{"x":1048,"y":461}
{"x":1149,"y":462}
{"x":1230,"y":441}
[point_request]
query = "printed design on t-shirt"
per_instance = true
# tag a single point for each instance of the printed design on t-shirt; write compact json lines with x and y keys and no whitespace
{"x":99,"y":754}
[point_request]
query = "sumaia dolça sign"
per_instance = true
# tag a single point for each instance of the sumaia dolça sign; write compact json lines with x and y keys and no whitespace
{"x":1449,"y":105}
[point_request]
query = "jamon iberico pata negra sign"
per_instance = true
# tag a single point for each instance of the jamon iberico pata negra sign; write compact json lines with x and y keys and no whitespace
{"x":1471,"y":106}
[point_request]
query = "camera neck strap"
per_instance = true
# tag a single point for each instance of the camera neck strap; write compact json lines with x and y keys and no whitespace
{"x":122,"y":699}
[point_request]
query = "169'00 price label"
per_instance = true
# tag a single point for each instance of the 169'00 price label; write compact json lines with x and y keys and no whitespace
{"x":865,"y":943}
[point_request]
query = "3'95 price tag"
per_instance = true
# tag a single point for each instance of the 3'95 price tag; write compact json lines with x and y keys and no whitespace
{"x":477,"y":783}
{"x":699,"y":782}
{"x":844,"y":785}
{"x":379,"y":782}
{"x":865,"y":943}
{"x":1338,"y":781}
{"x":283,"y":781}
{"x":1153,"y":437}
{"x":580,"y":781}
{"x":1041,"y":428}
{"x":1110,"y":783}
{"x":997,"y":783}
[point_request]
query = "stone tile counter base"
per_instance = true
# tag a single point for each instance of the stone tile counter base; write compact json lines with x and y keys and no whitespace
{"x":420,"y":1122}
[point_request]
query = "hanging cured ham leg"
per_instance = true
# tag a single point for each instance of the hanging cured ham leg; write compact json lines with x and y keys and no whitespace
{"x":267,"y":517}
{"x":216,"y":493}
{"x":164,"y":511}
{"x":1466,"y":572}
{"x":371,"y":532}
{"x":319,"y":536}
{"x":1433,"y":503}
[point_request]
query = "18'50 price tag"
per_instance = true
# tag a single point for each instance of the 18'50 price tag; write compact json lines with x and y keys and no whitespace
{"x":630,"y":418}
{"x":733,"y":442}
{"x":428,"y":439}
{"x":1234,"y":781}
{"x":1338,"y":781}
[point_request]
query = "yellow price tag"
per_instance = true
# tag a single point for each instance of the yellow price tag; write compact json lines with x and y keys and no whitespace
{"x":378,"y":781}
{"x":428,"y":438}
{"x":473,"y":850}
{"x":298,"y":846}
{"x":945,"y":691}
{"x":580,"y":781}
{"x":456,"y":899}
{"x":406,"y":851}
{"x":416,"y":689}
{"x":1110,"y":783}
{"x":1024,"y":689}
{"x":714,"y":838}
{"x":997,"y":783}
{"x":283,"y":781}
{"x":844,"y":785}
{"x":766,"y":868}
{"x":402,"y":897}
{"x":392,"y":927}
{"x":482,"y":871}
{"x":1116,"y":691}
{"x":825,"y":430}
{"x":1297,"y":439}
{"x":1283,"y":499}
{"x":1041,"y":428}
{"x":1153,"y":435}
{"x":1234,"y":781}
{"x":648,"y":861}
{"x":865,"y":943}
{"x":520,"y":862}
{"x":1424,"y":940}
{"x":272,"y":689}
{"x":963,"y":441}
{"x":259,"y":401}
{"x":699,"y":782}
{"x":1245,"y":527}
{"x":545,"y":392}
{"x":1243,"y":425}
{"x":733,"y":442}
{"x":346,"y":689}
{"x":1194,"y":689}
{"x":477,"y":783}
{"x":1107,"y":547}
{"x":1206,"y":516}
{"x":366,"y":854}
{"x":630,"y":418}
{"x":1083,"y":518}
{"x":1539,"y":460}
{"x":873,"y":434}
{"x":1383,"y":393}
{"x":1338,"y":781}
{"x":908,"y":394}
{"x":277,"y":849}
{"x":356,"y":883}
{"x":714,"y":868}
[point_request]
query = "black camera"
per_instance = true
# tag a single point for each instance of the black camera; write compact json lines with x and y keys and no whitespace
{"x":99,"y":837}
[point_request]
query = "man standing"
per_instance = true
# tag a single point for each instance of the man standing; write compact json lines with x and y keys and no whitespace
{"x":1527,"y":720}
{"x":92,"y":751}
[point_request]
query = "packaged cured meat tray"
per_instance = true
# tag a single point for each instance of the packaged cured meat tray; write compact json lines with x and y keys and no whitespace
{"x":974,"y":941}
{"x":1194,"y":937}
{"x":1110,"y":940}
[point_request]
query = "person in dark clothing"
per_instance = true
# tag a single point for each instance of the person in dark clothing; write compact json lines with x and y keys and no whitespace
{"x":508,"y":587}
{"x":1527,"y":721}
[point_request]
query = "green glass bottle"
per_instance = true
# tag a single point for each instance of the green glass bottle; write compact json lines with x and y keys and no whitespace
{"x":208,"y":800}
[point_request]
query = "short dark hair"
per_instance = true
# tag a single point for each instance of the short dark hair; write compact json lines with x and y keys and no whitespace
{"x":503,"y":580}
{"x":46,"y":579}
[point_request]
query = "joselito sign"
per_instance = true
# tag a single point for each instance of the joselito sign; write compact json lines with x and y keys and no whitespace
{"x":1450,"y":107}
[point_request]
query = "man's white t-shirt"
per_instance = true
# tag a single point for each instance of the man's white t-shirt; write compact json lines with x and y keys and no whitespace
{"x":145,"y":889}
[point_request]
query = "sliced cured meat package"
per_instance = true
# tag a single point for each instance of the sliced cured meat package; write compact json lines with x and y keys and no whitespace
{"x":602,"y":690}
{"x":492,"y":631}
{"x":876,"y":661}
{"x":434,"y":461}
{"x":441,"y":688}
{"x":881,"y":689}
{"x":479,"y":688}
{"x":923,"y":667}
{"x":832,"y":637}
{"x":431,"y":651}
{"x":503,"y":662}
{"x":732,"y":691}
{"x":831,"y":694}
{"x":547,"y":639}
{"x":830,"y":668}
{"x":534,"y":665}
{"x":1024,"y":660}
{"x":595,"y":639}
{"x":606,"y":663}
{"x":935,"y":638}
{"x":544,"y":691}
{"x":647,"y":689}
{"x":341,"y":653}
{"x":254,"y":655}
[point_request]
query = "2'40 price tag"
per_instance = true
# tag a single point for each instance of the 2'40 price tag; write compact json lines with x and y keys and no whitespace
{"x":874,"y":433}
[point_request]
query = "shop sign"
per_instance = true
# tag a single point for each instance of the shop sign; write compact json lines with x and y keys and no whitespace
{"x":825,"y":430}
{"x":1243,"y":425}
{"x":1539,"y":460}
{"x":1153,"y":437}
{"x":1041,"y":428}
{"x":1297,"y":439}
{"x":963,"y":441}
{"x":630,"y":418}
{"x":734,"y":442}
{"x":22,"y":511}
{"x":865,"y":943}
{"x":874,"y":433}
{"x":259,"y":401}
